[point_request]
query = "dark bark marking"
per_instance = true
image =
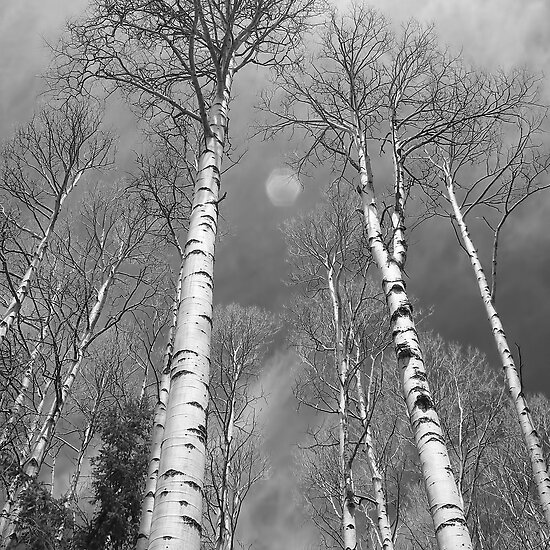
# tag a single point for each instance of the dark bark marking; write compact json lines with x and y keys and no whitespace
{"x":204,"y":274}
{"x":208,"y":318}
{"x":404,"y":351}
{"x":449,"y":506}
{"x":183,"y":351}
{"x":424,"y":402}
{"x":190,"y":521}
{"x":172,"y":473}
{"x":200,"y":434}
{"x":450,"y":523}
{"x":196,"y":251}
{"x":213,"y":167}
{"x":419,"y":376}
{"x":182,"y":373}
{"x":404,"y":310}
{"x":193,"y":485}
{"x":195,"y":404}
{"x":426,"y":420}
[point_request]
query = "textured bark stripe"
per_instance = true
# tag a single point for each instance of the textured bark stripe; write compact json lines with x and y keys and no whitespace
{"x":183,"y":448}
{"x":443,"y":496}
{"x":530,"y":435}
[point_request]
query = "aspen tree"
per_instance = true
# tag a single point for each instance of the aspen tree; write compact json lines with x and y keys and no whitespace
{"x":113,"y":240}
{"x":159,"y":419}
{"x":40,"y":167}
{"x":181,"y":60}
{"x":512,"y":176}
{"x":346,"y":96}
{"x":163,"y":184}
{"x":240,"y":340}
{"x":326,"y":254}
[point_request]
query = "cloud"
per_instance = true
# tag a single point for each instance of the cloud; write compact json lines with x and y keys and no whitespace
{"x":273,"y":518}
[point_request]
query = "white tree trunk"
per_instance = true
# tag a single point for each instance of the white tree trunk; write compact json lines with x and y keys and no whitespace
{"x":444,"y":501}
{"x":32,"y":465}
{"x":177,"y":512}
{"x":398,"y":214}
{"x":22,"y":291}
{"x":349,"y":528}
{"x":223,"y":525}
{"x":23,"y":392}
{"x":157,"y":434}
{"x":384,"y":526}
{"x":530,"y":434}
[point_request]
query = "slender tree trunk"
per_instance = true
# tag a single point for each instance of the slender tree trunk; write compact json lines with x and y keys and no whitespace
{"x":444,"y":501}
{"x":177,"y":512}
{"x":32,"y":466}
{"x":38,"y":453}
{"x":88,"y":435}
{"x":33,"y":430}
{"x":52,"y":476}
{"x":349,"y":530}
{"x":22,"y":396}
{"x":223,"y":526}
{"x":159,"y":419}
{"x":22,"y":291}
{"x":398,"y":214}
{"x":70,"y":495}
{"x":384,"y":526}
{"x":23,"y":392}
{"x":530,"y":434}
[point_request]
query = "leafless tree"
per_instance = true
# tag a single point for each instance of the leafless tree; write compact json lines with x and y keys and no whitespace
{"x":337,"y":327}
{"x":108,"y":262}
{"x":241,"y":337}
{"x":179,"y":59}
{"x":40,"y":167}
{"x":495,"y":165}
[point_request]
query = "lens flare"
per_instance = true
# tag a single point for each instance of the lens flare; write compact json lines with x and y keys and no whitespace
{"x":283,"y":187}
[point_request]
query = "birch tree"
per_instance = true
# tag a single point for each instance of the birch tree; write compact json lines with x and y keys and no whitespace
{"x":510,"y":172}
{"x":339,"y":309}
{"x":240,"y":341}
{"x":113,"y":242}
{"x":40,"y":167}
{"x":163,"y":184}
{"x":181,"y":60}
{"x":338,"y":99}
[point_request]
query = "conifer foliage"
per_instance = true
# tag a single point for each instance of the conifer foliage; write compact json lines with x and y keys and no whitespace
{"x":119,"y":473}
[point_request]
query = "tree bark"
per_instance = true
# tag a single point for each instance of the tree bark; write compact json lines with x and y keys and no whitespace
{"x":384,"y":526}
{"x":513,"y":380}
{"x":349,"y":530}
{"x":177,"y":512}
{"x":444,"y":501}
{"x":23,"y":392}
{"x":22,"y":291}
{"x":159,"y":420}
{"x":37,"y":454}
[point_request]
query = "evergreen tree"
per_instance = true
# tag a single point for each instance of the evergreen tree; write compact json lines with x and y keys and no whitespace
{"x":119,"y":473}
{"x":42,"y":520}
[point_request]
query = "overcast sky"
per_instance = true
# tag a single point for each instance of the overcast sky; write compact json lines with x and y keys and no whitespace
{"x":250,"y":263}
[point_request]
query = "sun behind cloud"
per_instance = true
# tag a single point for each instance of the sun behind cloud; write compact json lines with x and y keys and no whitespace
{"x":283,"y":187}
